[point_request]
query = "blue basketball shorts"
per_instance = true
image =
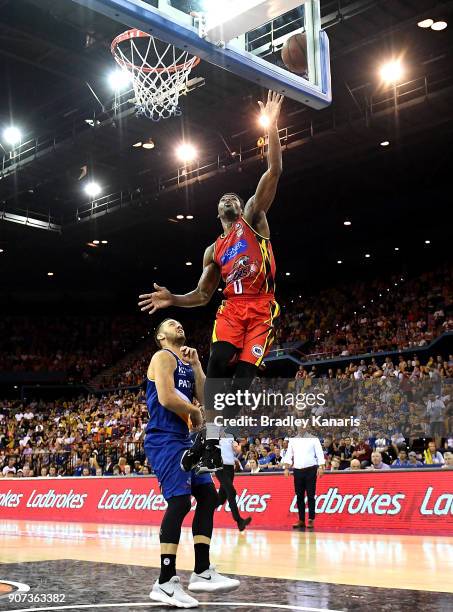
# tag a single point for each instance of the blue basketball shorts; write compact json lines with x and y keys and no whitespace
{"x":164,"y":452}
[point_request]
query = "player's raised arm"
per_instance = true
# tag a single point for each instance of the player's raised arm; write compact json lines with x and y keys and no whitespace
{"x":161,"y":370}
{"x":208,"y":283}
{"x":267,"y":187}
{"x":190,"y":356}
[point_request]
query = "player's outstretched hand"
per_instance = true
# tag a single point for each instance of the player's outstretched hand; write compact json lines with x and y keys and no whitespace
{"x":161,"y":298}
{"x":190,"y":355}
{"x":273,"y":106}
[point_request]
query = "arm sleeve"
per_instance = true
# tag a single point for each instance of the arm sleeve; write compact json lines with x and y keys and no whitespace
{"x":318,"y":452}
{"x":289,"y":455}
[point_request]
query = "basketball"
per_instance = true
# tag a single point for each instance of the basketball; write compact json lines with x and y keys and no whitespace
{"x":294,"y":54}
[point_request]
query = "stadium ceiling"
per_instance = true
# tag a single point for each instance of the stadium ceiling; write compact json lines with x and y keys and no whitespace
{"x":54,"y":55}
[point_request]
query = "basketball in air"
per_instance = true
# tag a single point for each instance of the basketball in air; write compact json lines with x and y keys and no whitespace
{"x":294,"y":54}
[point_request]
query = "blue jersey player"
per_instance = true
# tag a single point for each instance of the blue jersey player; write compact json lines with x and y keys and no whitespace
{"x":175,"y":380}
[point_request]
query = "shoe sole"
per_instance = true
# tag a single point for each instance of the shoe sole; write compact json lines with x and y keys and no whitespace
{"x":206,"y":470}
{"x":202,"y":587}
{"x":171,"y":601}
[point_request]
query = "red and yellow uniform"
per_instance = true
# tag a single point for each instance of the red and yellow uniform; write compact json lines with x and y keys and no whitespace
{"x":246,"y":318}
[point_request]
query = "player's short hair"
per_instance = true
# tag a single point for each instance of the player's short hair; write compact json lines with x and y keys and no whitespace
{"x":236,"y":196}
{"x":157,"y":331}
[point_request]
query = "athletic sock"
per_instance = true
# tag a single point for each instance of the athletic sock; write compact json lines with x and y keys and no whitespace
{"x":167,"y":568}
{"x":201,"y":558}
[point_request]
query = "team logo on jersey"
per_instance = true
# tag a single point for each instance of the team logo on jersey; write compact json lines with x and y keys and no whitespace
{"x":242,"y":268}
{"x":239,"y":230}
{"x":257,"y":350}
{"x":234,"y":250}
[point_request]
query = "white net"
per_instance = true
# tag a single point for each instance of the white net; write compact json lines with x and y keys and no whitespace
{"x":159,"y":72}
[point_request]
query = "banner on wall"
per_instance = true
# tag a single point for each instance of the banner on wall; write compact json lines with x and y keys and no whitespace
{"x":393,"y":501}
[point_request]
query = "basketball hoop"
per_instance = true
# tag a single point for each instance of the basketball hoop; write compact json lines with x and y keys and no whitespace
{"x":159,"y":72}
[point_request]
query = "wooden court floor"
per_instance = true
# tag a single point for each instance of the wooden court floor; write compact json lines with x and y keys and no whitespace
{"x":271,"y":564}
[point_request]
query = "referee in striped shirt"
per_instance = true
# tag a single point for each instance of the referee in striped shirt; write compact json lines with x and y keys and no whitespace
{"x":306,"y":457}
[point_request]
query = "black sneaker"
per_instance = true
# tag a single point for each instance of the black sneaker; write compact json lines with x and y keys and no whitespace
{"x":242,"y":523}
{"x":192,"y":456}
{"x":211,"y":459}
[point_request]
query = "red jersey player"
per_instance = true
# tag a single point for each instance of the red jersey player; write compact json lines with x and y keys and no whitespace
{"x":242,"y":256}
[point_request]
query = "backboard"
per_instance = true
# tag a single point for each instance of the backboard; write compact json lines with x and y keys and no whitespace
{"x":242,"y":36}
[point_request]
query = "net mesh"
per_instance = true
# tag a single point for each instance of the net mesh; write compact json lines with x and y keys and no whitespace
{"x":159,"y":72}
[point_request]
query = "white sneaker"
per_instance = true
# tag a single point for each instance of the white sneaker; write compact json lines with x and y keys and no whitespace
{"x":210,"y":581}
{"x":172,"y":594}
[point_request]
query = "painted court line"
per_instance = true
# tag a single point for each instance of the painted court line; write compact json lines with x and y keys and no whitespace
{"x":230,"y":604}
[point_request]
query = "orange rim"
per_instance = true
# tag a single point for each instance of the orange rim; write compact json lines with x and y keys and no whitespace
{"x":134,"y":33}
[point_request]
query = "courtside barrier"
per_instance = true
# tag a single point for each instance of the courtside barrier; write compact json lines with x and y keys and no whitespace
{"x":412,"y":502}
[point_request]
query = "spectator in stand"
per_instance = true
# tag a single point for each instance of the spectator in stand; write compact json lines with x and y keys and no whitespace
{"x":362,"y":452}
{"x":413,"y":461}
{"x":11,"y":467}
{"x":277,"y":461}
{"x":377,"y":463}
{"x":355,"y":466}
{"x":253,"y":466}
{"x":335,"y":464}
{"x":346,"y":453}
{"x":432,"y":455}
{"x":138,"y":470}
{"x":448,"y":457}
{"x":264,"y":459}
{"x":402,"y":461}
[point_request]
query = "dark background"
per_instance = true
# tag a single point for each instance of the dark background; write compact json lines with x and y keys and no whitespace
{"x":398,"y":196}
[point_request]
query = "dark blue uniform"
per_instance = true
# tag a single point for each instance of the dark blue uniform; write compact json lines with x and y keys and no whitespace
{"x":167,"y":436}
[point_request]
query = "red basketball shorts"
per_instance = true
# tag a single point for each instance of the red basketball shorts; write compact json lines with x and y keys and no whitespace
{"x":247,"y":324}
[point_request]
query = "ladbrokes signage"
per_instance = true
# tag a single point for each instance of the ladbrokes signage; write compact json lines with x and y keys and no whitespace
{"x":410,"y":502}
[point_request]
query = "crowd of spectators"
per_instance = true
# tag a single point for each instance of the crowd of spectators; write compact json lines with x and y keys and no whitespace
{"x":403,"y":368}
{"x":400,"y":426}
{"x":368,"y":318}
{"x":336,"y":322}
{"x":77,"y":347}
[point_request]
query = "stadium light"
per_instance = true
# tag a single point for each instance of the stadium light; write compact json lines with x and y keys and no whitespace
{"x":95,"y":241}
{"x":397,"y":248}
{"x":49,"y":273}
{"x":367,"y":255}
{"x":347,"y":223}
{"x":392,"y":71}
{"x":186,"y":152}
{"x":104,"y":241}
{"x":188,"y":263}
{"x":385,"y":143}
{"x":180,"y":216}
{"x":427,"y":241}
{"x":1,"y":251}
{"x":287,"y":273}
{"x":426,"y":23}
{"x":149,"y":144}
{"x":190,"y":217}
{"x":339,"y":261}
{"x":12,"y":135}
{"x":92,"y":189}
{"x":439,"y":25}
{"x":264,"y":121}
{"x":119,"y":80}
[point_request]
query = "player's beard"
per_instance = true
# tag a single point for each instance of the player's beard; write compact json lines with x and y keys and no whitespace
{"x":179,"y":339}
{"x":230,"y":215}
